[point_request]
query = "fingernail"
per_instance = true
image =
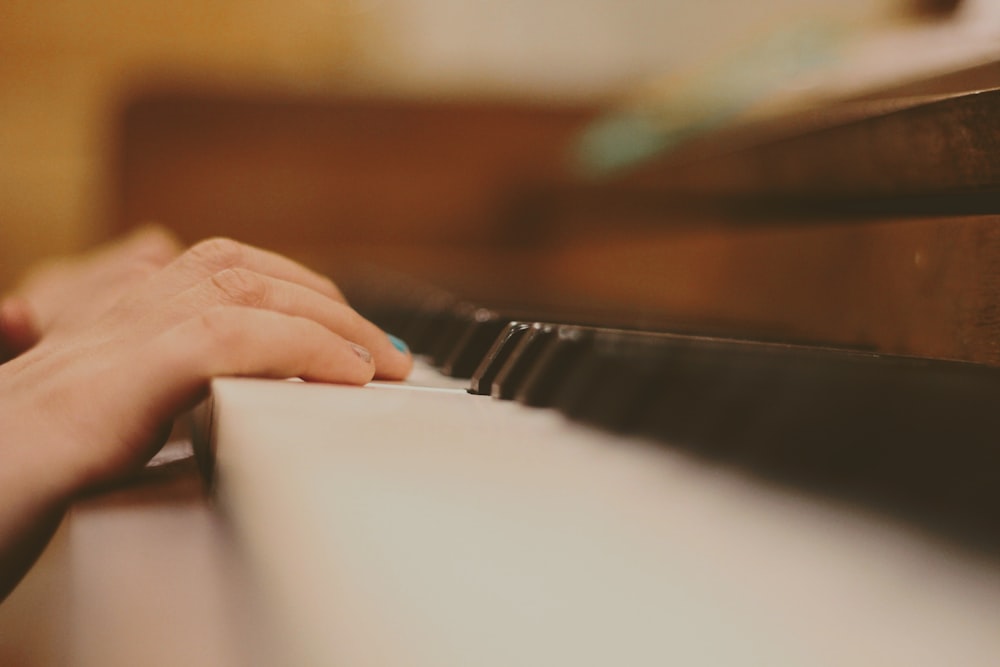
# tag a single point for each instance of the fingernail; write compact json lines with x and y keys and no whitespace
{"x":364,"y":354}
{"x":398,"y":344}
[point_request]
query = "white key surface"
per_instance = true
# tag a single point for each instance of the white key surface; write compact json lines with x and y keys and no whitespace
{"x":419,"y":525}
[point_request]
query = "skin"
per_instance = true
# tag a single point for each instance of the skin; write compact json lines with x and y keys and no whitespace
{"x":130,"y":339}
{"x":67,"y":293}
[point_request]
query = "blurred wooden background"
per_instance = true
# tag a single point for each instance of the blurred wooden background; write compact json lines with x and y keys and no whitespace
{"x":67,"y":68}
{"x":403,"y":131}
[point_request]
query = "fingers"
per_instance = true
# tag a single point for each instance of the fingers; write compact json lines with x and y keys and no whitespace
{"x":100,"y":400}
{"x":240,"y":287}
{"x":214,"y":255}
{"x":240,"y":341}
{"x":222,"y":341}
{"x":72,"y":291}
{"x":225,"y":273}
{"x":101,"y":389}
{"x":154,"y":243}
{"x":113,"y":269}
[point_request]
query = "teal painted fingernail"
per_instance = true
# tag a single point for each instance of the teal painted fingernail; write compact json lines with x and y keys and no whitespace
{"x":398,"y":344}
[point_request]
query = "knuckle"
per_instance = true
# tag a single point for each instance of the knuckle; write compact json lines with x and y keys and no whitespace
{"x":240,"y":287}
{"x":217,"y":253}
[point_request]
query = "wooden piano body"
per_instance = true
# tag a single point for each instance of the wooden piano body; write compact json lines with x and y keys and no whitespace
{"x":881,"y":208}
{"x":419,"y":525}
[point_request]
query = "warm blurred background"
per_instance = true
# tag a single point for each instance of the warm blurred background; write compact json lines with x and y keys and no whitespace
{"x":67,"y":69}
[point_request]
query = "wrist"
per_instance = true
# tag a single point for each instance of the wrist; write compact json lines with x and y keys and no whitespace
{"x":38,"y":455}
{"x":30,"y":476}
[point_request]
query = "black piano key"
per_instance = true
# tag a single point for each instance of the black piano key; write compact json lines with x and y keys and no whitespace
{"x":474,"y":344}
{"x":618,"y":379}
{"x":451,"y":331}
{"x":574,"y":386}
{"x":719,"y":403}
{"x":481,"y":383}
{"x":608,"y":381}
{"x":554,"y":366}
{"x":424,"y":327}
{"x":626,"y":394}
{"x":583,"y":386}
{"x":897,"y":432}
{"x":821,"y":423}
{"x":511,"y":376}
{"x":681,"y":399}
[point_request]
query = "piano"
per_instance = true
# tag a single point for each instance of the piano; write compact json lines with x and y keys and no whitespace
{"x":734,"y":406}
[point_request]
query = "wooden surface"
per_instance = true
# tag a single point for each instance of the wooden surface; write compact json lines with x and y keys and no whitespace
{"x":927,"y":287}
{"x":928,"y":154}
{"x":807,"y":243}
{"x":920,"y":286}
{"x":65,"y":67}
{"x":326,"y":171}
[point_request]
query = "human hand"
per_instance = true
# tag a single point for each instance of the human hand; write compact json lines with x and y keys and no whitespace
{"x":70,"y":292}
{"x":88,"y":405}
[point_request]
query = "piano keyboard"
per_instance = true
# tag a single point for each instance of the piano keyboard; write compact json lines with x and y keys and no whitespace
{"x":661,"y":507}
{"x":911,"y":436}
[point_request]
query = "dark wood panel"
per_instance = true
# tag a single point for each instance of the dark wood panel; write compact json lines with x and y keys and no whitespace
{"x":476,"y":197}
{"x":918,"y":155}
{"x":274,"y":170}
{"x":929,"y":287}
